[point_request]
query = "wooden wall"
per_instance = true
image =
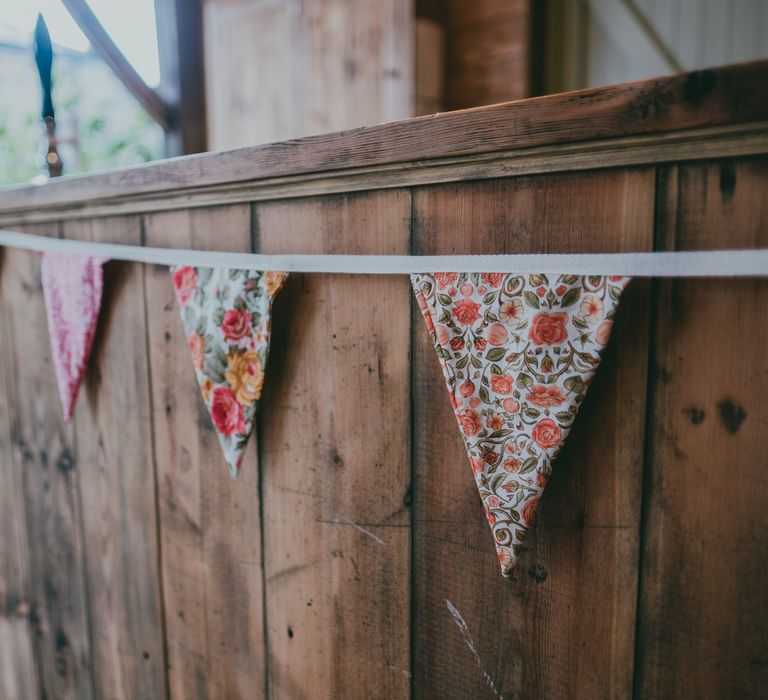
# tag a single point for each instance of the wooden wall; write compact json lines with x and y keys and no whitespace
{"x":281,"y":69}
{"x":490,"y":51}
{"x":339,"y":563}
{"x":484,"y":52}
{"x":351,"y":558}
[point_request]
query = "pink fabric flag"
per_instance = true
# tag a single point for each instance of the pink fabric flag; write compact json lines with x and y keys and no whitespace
{"x":518,"y":353}
{"x":226,"y":315}
{"x":72,"y":289}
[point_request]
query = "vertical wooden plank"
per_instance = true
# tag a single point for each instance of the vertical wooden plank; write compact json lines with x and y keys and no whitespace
{"x":357,"y":63}
{"x":247,"y":107}
{"x":703,"y":609}
{"x":180,"y":48}
{"x":489,"y":51}
{"x":18,"y":674}
{"x":336,"y":456}
{"x":565,"y":61}
{"x":430,"y":67}
{"x":117,"y":483}
{"x":564,"y":626}
{"x":210,"y":523}
{"x":280,"y":69}
{"x":46,"y":463}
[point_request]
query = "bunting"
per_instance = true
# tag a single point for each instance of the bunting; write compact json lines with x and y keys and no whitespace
{"x":517,"y":350}
{"x":518,"y":353}
{"x":72,"y":290}
{"x":226,"y":316}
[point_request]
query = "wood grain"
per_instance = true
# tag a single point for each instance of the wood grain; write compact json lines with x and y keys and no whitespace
{"x":210,"y":524}
{"x":336,"y":457}
{"x":118,"y":484}
{"x":480,"y":38}
{"x":703,"y":609}
{"x":489,"y":52}
{"x":18,"y":674}
{"x":729,"y":95}
{"x":462,"y":13}
{"x":429,"y":70}
{"x":629,"y":151}
{"x":563,"y":627}
{"x":489,"y":80}
{"x":356,"y":521}
{"x":47,"y":469}
{"x":283,"y":70}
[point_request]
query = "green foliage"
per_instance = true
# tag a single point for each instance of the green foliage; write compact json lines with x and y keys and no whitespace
{"x":16,"y":145}
{"x":100,"y":125}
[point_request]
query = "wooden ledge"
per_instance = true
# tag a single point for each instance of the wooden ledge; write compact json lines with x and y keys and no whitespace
{"x":709,"y":105}
{"x":696,"y":144}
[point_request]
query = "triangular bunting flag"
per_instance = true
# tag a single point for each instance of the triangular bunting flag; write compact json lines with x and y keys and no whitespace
{"x":226,"y":315}
{"x":72,"y":289}
{"x":518,"y":353}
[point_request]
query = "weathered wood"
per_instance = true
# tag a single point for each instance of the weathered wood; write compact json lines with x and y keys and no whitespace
{"x":117,"y":484}
{"x":210,"y":523}
{"x":729,"y":95}
{"x":563,"y":627}
{"x":462,"y":13}
{"x":45,"y":463}
{"x":348,"y":420}
{"x":700,"y":144}
{"x":281,"y":70}
{"x":336,"y":457}
{"x":489,"y":52}
{"x":18,"y":675}
{"x":429,"y":85}
{"x":491,"y":36}
{"x":182,"y":75}
{"x":703,"y":609}
{"x":485,"y":82}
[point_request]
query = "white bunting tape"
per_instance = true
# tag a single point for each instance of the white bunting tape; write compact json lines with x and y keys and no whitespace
{"x":711,"y":263}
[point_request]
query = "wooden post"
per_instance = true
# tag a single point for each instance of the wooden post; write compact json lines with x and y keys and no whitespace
{"x":182,"y":78}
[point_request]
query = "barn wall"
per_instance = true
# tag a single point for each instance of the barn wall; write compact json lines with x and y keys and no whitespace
{"x":351,"y":558}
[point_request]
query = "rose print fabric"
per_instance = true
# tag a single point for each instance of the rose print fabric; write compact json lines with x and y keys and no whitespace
{"x":72,"y":290}
{"x":226,"y":316}
{"x":518,"y":353}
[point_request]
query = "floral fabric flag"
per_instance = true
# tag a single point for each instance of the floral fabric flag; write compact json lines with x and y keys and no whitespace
{"x":226,"y":316}
{"x":518,"y":353}
{"x":72,"y":289}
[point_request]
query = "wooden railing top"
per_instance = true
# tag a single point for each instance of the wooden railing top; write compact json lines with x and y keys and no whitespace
{"x":624,"y":124}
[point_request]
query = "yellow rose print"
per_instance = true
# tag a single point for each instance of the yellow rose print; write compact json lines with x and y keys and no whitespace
{"x":244,"y":376}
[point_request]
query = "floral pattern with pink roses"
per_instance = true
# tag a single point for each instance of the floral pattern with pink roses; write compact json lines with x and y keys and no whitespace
{"x":518,"y":353}
{"x":226,"y":316}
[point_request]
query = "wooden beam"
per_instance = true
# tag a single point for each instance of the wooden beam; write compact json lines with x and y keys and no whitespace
{"x":489,"y":52}
{"x":150,"y":100}
{"x":182,"y":75}
{"x":724,"y":97}
{"x":692,"y":145}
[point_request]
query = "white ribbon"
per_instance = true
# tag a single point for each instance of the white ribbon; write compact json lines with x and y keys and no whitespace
{"x":710,"y":263}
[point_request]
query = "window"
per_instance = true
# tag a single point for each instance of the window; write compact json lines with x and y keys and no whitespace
{"x":98,"y":122}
